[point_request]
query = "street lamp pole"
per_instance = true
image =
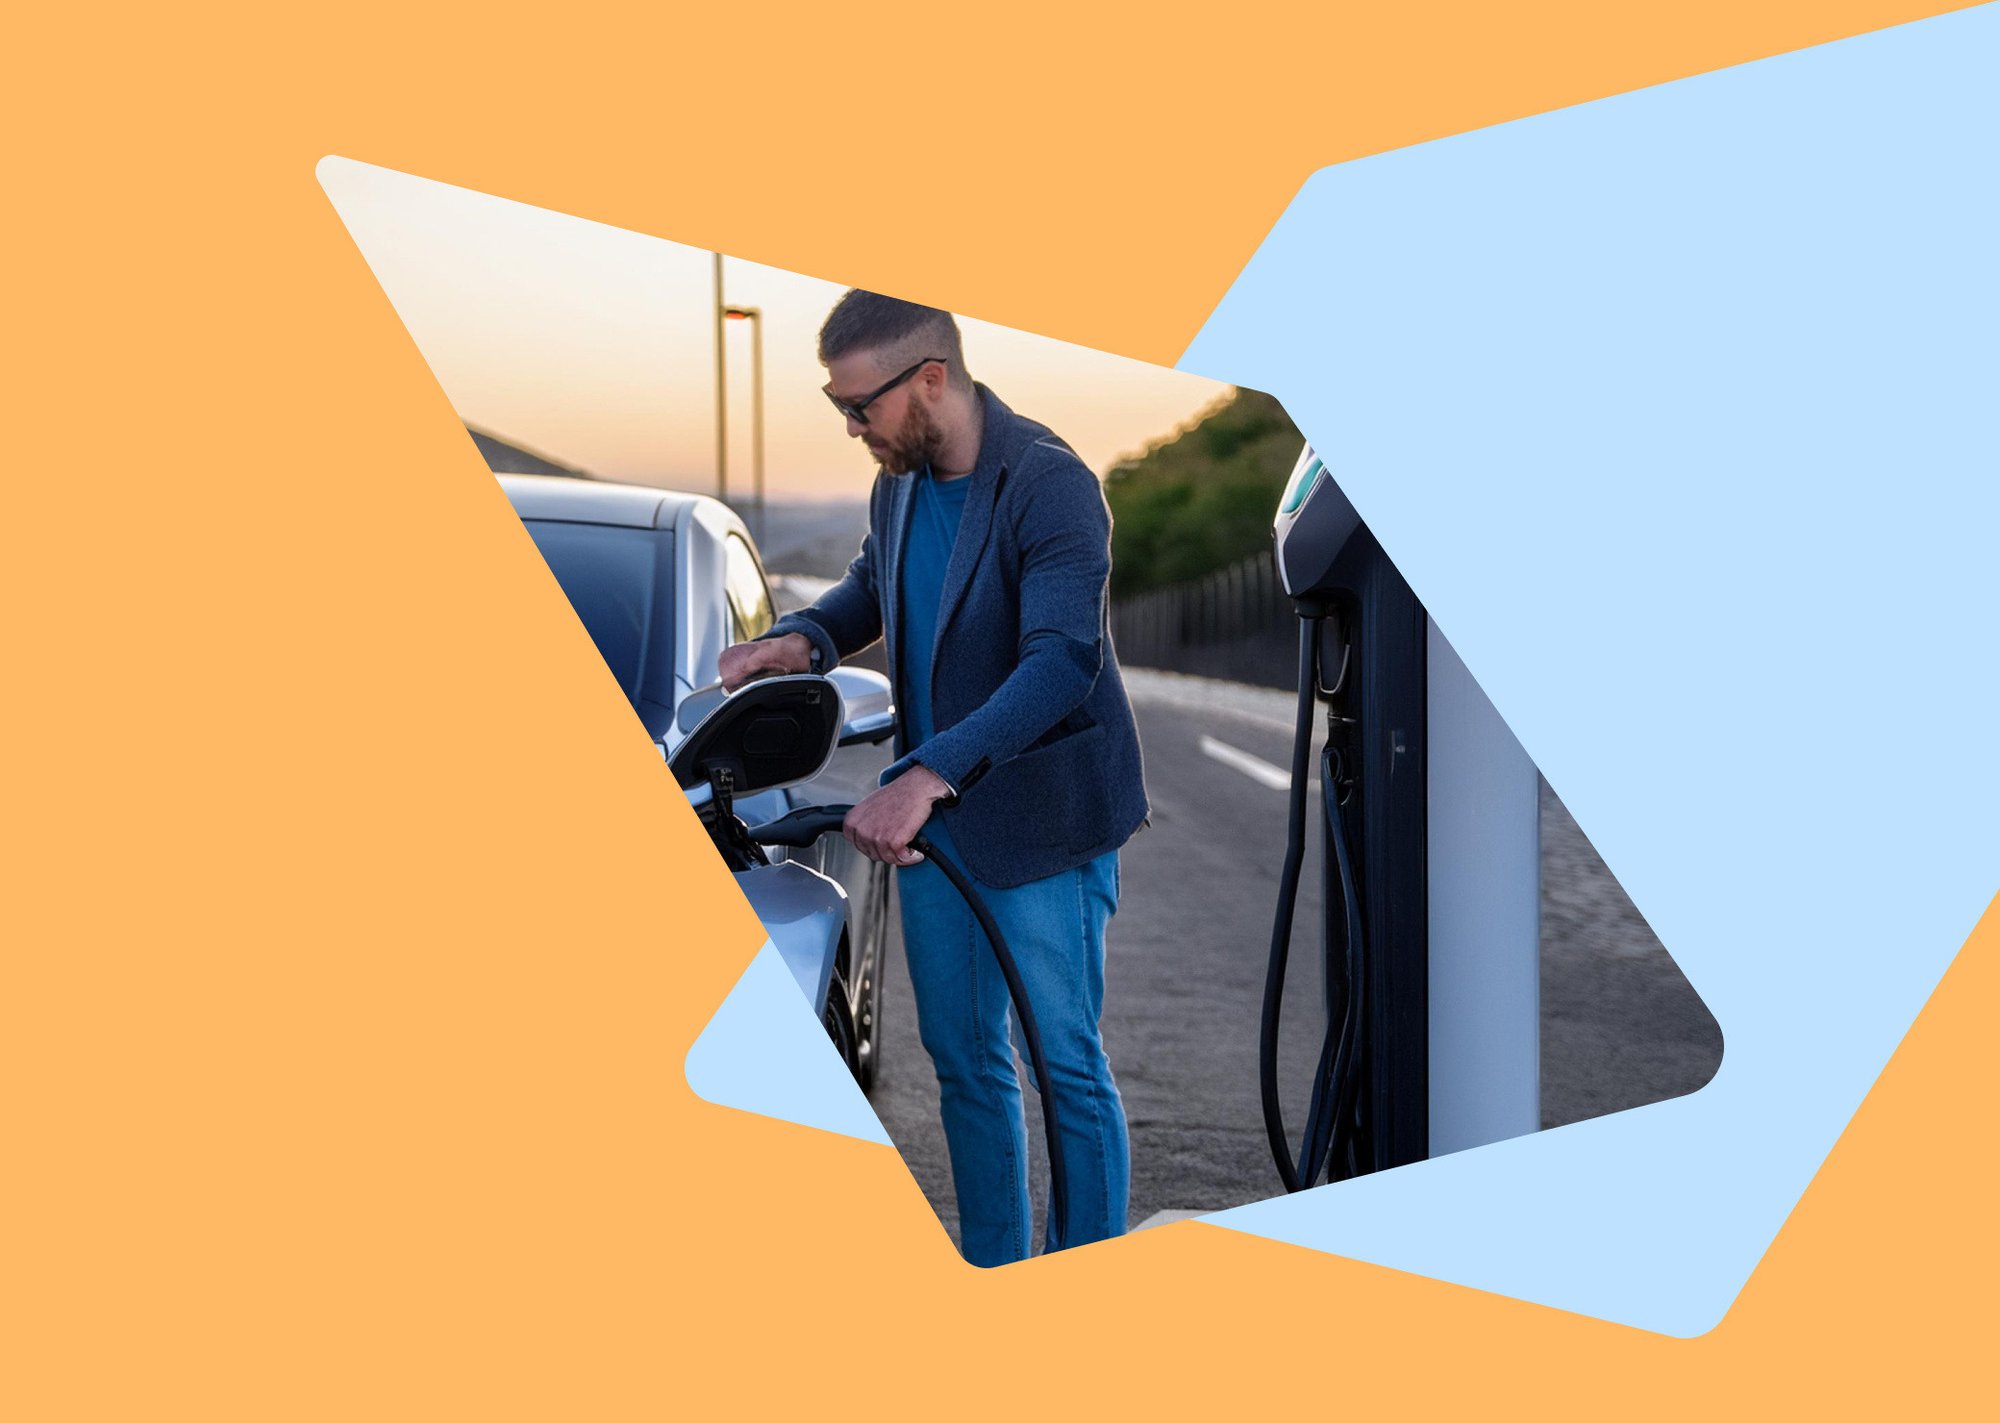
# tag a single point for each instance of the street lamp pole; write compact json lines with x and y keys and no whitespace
{"x":721,"y":396}
{"x":755,"y":316}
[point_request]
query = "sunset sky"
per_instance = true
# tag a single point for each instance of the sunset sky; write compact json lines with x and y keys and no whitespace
{"x":594,"y":346}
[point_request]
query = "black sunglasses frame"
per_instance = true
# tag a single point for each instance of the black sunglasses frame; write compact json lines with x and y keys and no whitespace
{"x":856,"y":410}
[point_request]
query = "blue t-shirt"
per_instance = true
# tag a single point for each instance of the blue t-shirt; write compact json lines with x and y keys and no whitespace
{"x":933,"y":531}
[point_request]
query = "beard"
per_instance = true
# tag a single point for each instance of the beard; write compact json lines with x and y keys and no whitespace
{"x":917,"y":442}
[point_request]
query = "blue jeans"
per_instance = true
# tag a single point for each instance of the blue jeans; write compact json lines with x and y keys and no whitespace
{"x":1055,"y":927}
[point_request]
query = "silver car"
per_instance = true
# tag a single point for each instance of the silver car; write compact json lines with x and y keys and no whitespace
{"x":663,"y":581}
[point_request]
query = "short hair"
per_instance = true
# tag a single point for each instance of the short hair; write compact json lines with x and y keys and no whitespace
{"x":899,"y":333}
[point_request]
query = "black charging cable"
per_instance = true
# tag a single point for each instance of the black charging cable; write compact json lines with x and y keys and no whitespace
{"x":1024,"y":1013}
{"x":1346,"y":1083}
{"x":802,"y":827}
{"x":1281,"y":942}
{"x":1330,"y":1112}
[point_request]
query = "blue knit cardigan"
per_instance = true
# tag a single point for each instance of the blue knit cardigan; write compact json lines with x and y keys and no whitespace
{"x":1035,"y":733}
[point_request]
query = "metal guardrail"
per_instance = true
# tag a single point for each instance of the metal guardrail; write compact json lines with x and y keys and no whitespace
{"x":1235,"y":623}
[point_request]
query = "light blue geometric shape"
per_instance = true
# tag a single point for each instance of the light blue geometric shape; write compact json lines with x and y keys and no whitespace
{"x":1678,"y":410}
{"x":765,"y":1052}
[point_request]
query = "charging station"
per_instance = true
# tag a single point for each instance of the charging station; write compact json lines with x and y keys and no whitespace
{"x":1430,"y":820}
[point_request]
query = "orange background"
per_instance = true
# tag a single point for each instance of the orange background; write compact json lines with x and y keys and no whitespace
{"x":356,"y":937}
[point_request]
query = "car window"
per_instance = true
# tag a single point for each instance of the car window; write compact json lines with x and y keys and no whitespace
{"x":619,"y":586}
{"x":750,"y":611}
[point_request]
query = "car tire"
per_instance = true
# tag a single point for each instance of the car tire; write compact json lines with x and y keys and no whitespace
{"x":839,"y":1020}
{"x":868,"y":1004}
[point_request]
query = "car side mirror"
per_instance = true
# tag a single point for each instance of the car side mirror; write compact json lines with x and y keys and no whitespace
{"x":870,"y":702}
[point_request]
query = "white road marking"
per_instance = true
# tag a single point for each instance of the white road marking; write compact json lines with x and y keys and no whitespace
{"x":1255,"y":767}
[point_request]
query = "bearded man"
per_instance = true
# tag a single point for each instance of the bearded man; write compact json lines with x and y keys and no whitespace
{"x":985,"y":572}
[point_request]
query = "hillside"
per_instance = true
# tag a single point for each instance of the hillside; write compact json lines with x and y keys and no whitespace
{"x":1203,"y":499}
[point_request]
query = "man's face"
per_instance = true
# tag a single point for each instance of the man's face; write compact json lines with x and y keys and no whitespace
{"x":902,"y":432}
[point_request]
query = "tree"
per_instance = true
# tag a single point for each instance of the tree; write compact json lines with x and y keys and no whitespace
{"x":1204,"y":497}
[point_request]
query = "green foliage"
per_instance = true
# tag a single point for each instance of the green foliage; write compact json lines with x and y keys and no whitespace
{"x":1202,"y":499}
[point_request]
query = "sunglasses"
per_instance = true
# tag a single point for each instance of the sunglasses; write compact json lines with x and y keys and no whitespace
{"x":856,"y":410}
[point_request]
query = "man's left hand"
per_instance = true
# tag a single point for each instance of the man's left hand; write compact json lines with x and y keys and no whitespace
{"x":882,"y":826}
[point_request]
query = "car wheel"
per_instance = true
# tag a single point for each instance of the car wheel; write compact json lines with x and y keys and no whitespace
{"x":839,"y":1020}
{"x":868,"y":1003}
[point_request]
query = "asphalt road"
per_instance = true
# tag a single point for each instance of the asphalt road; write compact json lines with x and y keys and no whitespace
{"x":1185,"y":973}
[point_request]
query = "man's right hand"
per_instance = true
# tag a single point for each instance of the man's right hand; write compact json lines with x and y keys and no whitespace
{"x":747,"y":661}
